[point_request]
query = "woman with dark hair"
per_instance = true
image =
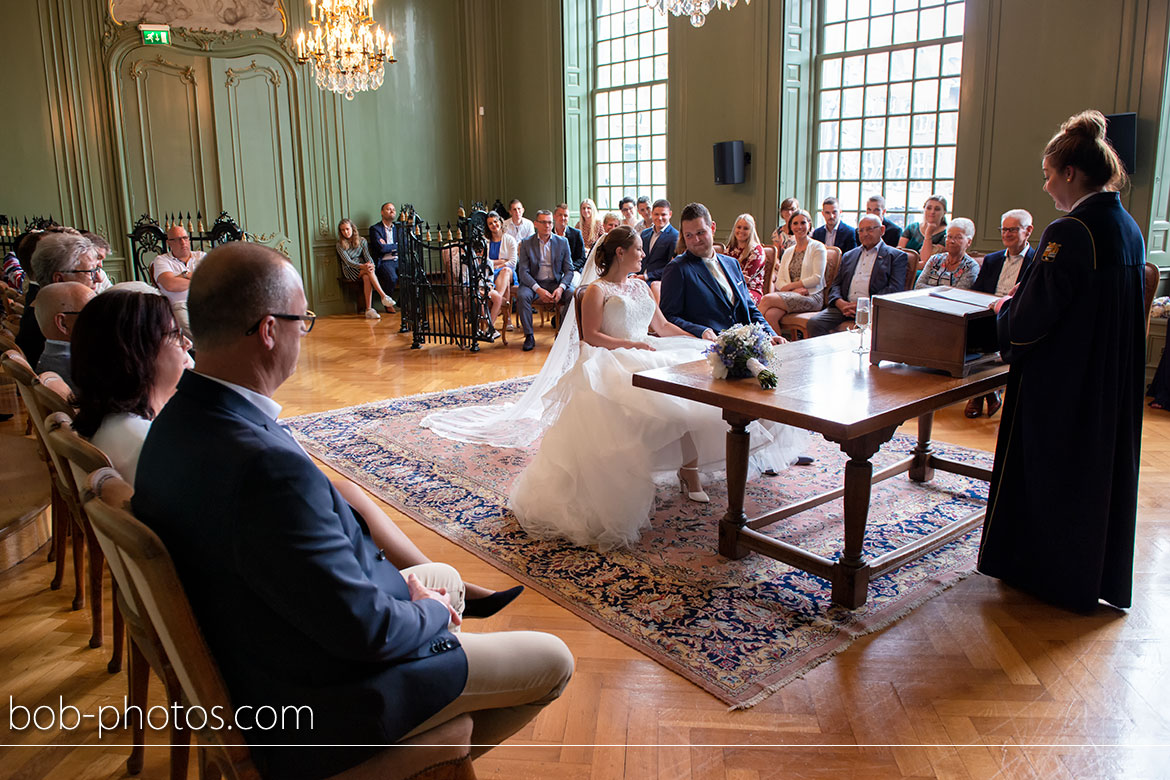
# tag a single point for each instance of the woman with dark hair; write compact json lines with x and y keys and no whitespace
{"x":353,"y":253}
{"x":927,"y":236}
{"x":782,"y":237}
{"x":593,"y":480}
{"x":127,"y":357}
{"x":1062,"y":504}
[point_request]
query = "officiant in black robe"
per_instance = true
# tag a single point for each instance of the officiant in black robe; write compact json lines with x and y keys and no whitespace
{"x":1062,"y":506}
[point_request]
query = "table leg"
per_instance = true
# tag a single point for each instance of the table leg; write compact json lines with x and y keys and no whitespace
{"x":851,"y":574}
{"x":920,"y":469}
{"x":738,"y":444}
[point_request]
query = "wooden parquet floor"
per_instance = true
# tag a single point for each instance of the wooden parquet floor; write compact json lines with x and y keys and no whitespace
{"x":980,"y":682}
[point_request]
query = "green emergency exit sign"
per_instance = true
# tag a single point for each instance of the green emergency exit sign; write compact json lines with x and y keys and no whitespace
{"x":155,"y":34}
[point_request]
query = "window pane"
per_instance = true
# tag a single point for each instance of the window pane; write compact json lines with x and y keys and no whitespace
{"x":831,"y":73}
{"x":658,"y":96}
{"x":922,"y":163}
{"x":827,"y":165}
{"x":857,"y":35}
{"x":925,"y":95}
{"x":829,"y":135}
{"x":878,"y":7}
{"x":902,"y":65}
{"x":900,"y":98}
{"x":905,"y":28}
{"x":952,"y":59}
{"x":899,"y":131}
{"x":850,"y":165}
{"x":854,"y":71}
{"x":875,"y":133}
{"x":877,"y":68}
{"x":852,"y":102}
{"x":830,"y":104}
{"x":834,"y":11}
{"x":955,"y":19}
{"x":851,"y":134}
{"x":602,"y":152}
{"x":895,"y":192}
{"x":945,"y":167}
{"x":948,"y":94}
{"x":875,"y":101}
{"x":930,"y":24}
{"x":948,"y":128}
{"x":926,"y":62}
{"x":872,"y":164}
{"x":881,"y":31}
{"x":897,"y":163}
{"x":858,"y":9}
{"x":834,"y":38}
{"x":922,"y":130}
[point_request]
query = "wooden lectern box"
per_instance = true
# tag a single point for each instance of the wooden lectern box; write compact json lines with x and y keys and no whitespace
{"x":939,"y":327}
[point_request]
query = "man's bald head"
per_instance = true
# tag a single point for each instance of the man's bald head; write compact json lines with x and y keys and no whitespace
{"x":178,"y":242}
{"x":57,"y":306}
{"x":235,"y":285}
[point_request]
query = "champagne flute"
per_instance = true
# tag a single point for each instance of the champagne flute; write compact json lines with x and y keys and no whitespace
{"x":861,"y":319}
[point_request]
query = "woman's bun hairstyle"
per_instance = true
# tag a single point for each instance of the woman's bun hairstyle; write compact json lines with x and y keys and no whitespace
{"x":1081,"y":143}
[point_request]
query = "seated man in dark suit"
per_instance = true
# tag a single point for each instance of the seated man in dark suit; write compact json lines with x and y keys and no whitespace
{"x":704,"y":292}
{"x":57,"y":308}
{"x":658,"y":243}
{"x":835,"y":232}
{"x":544,"y":271}
{"x":998,"y":275}
{"x":876,"y":205}
{"x":874,"y":268}
{"x":571,"y":234}
{"x":300,"y":608}
{"x":384,"y":250}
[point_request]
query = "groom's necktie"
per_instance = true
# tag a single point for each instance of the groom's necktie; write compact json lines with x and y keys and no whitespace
{"x":716,"y":271}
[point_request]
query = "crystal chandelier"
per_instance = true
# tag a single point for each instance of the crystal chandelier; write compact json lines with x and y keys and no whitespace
{"x":697,"y":10}
{"x":347,"y":55}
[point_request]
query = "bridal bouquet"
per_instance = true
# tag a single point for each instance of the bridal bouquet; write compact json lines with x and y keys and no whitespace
{"x":742,"y":351}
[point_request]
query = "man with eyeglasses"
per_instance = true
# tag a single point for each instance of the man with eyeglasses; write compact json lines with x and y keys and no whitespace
{"x":58,"y":305}
{"x":61,"y":255}
{"x":172,"y":273}
{"x":299,"y":605}
{"x":998,"y":275}
{"x":544,"y":272}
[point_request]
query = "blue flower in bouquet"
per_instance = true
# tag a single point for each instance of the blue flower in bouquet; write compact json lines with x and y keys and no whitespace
{"x":743,"y":351}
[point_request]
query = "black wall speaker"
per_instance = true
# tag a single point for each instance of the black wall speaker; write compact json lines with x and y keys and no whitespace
{"x":729,"y":162}
{"x":1121,"y":131}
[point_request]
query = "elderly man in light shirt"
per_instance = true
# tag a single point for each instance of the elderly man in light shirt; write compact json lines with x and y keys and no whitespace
{"x":172,"y":273}
{"x":1000,"y":273}
{"x":873,"y":268}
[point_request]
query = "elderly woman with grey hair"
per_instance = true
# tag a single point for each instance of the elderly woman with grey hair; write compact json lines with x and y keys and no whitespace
{"x":61,"y":255}
{"x":954,"y":267}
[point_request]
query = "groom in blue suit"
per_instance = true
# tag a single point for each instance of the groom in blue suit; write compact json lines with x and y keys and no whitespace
{"x":299,"y":606}
{"x":704,"y":292}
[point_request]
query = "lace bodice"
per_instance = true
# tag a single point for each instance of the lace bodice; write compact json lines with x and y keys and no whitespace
{"x":628,"y":309}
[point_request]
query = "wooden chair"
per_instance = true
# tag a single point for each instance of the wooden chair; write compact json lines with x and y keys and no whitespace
{"x":912,"y":264}
{"x":81,"y":458}
{"x":795,"y":326}
{"x":16,"y":367}
{"x":154,"y":598}
{"x":769,"y":267}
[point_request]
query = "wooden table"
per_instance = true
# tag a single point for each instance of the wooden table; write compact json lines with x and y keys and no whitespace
{"x":825,"y":387}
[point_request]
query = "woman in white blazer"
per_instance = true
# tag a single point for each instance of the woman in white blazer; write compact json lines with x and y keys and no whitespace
{"x":798,"y":277}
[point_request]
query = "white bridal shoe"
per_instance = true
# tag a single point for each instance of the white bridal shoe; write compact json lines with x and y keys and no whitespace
{"x":685,"y":485}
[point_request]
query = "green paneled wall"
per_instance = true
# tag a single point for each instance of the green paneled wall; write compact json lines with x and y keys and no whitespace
{"x":102,"y":130}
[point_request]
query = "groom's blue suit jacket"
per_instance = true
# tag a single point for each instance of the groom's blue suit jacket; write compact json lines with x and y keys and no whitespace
{"x":694,"y":301}
{"x":296,"y":602}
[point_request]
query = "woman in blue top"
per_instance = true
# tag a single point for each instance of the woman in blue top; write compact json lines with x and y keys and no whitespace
{"x":926,"y":237}
{"x":502,"y":253}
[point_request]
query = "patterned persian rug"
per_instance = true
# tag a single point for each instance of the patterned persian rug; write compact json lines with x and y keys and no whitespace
{"x":739,"y":629}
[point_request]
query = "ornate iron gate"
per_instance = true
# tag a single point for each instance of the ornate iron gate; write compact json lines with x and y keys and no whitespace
{"x":444,"y":279}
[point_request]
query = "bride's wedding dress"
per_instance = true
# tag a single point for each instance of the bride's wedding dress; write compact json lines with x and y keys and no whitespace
{"x":593,"y":480}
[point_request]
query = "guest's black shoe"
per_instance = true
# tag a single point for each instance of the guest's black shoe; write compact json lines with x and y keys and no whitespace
{"x":803,"y":460}
{"x":490,"y":605}
{"x":529,"y":343}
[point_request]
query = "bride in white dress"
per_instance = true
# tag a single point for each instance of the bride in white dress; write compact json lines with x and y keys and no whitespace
{"x":593,"y":480}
